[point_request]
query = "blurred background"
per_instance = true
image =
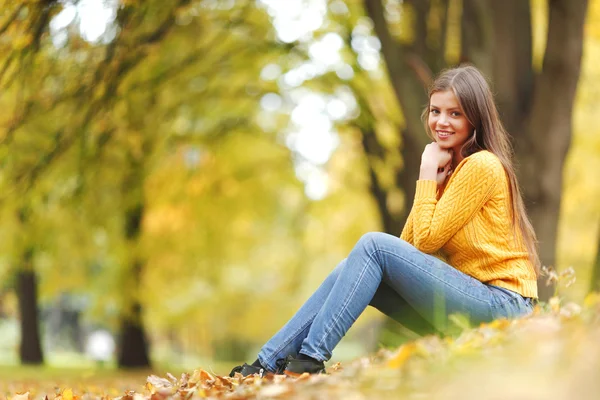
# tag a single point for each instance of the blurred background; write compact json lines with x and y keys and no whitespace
{"x":177,"y":177}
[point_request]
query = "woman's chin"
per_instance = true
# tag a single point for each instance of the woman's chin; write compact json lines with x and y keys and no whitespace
{"x":444,"y":144}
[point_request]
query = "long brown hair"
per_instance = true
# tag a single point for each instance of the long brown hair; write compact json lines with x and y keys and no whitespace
{"x":477,"y":102}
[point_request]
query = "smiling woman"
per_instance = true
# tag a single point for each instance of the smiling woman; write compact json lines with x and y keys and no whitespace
{"x":474,"y":217}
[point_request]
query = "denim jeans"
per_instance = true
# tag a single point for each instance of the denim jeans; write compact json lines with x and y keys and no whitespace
{"x":388,"y":273}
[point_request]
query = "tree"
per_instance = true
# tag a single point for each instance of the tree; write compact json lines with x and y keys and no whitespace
{"x":30,"y":349}
{"x":73,"y":109}
{"x":497,"y":37}
{"x":163,"y":91}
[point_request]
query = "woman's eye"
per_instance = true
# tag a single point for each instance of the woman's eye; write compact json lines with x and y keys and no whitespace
{"x":455,"y":114}
{"x":434,"y":111}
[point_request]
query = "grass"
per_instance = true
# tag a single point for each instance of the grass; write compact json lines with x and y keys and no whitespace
{"x":47,"y":380}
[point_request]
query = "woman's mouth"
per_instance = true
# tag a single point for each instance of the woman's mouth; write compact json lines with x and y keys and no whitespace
{"x":444,"y":134}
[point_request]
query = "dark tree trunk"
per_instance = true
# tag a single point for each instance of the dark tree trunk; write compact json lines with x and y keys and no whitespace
{"x":548,"y":126}
{"x":30,"y":349}
{"x":512,"y":72}
{"x":409,"y":76}
{"x":477,"y":34}
{"x":391,"y":223}
{"x":133,"y":349}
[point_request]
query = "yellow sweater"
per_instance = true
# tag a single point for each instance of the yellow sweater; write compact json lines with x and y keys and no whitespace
{"x":471,"y":225}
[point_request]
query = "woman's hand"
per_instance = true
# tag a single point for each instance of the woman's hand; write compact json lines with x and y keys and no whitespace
{"x":436,"y":163}
{"x":443,"y":173}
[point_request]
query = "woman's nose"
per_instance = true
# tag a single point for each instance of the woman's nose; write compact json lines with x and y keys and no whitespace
{"x":443,"y":120}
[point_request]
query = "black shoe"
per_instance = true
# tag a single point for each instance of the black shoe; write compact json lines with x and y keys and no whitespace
{"x":246,"y":370}
{"x":294,"y":367}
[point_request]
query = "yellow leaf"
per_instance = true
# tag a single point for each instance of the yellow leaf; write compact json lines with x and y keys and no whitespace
{"x":205,"y":376}
{"x":67,"y":394}
{"x":499,"y":324}
{"x":403,"y":354}
{"x":150,"y":388}
{"x":195,"y":378}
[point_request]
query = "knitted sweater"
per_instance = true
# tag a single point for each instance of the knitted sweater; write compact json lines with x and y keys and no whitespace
{"x":470,"y":224}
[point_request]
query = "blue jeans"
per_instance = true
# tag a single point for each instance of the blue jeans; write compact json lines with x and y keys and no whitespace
{"x":391,"y":275}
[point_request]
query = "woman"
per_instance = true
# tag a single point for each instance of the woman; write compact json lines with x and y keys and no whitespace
{"x":467,"y":208}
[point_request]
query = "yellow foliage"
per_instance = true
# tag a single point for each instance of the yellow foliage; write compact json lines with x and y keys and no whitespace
{"x":167,"y":219}
{"x":402,"y":355}
{"x":67,"y":394}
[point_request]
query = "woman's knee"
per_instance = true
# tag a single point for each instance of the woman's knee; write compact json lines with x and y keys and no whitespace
{"x":371,"y":240}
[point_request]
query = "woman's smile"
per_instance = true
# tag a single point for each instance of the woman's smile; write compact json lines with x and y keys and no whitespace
{"x":444,"y":134}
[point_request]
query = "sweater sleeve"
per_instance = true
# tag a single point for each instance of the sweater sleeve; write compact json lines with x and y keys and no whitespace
{"x":435,"y":222}
{"x":407,"y":231}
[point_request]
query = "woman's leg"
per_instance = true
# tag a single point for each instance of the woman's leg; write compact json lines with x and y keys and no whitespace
{"x":433,"y":288}
{"x":289,"y":338}
{"x":390,"y":303}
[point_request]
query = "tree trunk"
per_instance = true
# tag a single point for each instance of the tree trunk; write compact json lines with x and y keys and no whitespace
{"x":477,"y":35}
{"x":409,"y":75}
{"x":30,"y":349}
{"x":133,"y":349}
{"x":133,"y":346}
{"x":548,"y":126}
{"x":390,"y":222}
{"x":512,"y":72}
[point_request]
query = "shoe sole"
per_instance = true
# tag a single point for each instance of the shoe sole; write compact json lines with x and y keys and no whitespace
{"x":298,"y":375}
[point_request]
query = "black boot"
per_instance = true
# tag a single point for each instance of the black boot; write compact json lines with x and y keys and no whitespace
{"x":294,"y":367}
{"x":247,"y":369}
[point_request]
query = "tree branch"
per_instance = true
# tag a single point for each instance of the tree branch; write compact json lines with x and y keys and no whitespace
{"x":11,"y":18}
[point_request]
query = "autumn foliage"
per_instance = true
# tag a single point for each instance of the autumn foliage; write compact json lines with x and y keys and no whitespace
{"x":553,"y":353}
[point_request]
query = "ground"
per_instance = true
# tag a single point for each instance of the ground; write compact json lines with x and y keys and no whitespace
{"x":552,"y":354}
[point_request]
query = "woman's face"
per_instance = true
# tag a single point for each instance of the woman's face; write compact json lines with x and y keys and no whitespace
{"x":447,"y":121}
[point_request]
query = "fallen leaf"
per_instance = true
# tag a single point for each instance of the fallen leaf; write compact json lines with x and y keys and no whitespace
{"x":21,"y":396}
{"x":403,"y":354}
{"x":67,"y":394}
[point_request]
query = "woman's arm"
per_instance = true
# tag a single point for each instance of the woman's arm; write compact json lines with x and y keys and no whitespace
{"x":435,"y":222}
{"x":431,"y":160}
{"x":407,"y":232}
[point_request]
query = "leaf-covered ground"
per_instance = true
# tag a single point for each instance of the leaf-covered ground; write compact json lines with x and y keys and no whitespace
{"x":552,"y":354}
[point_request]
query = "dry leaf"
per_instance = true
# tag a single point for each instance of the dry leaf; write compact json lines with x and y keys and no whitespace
{"x":21,"y":396}
{"x":403,"y":354}
{"x":67,"y":394}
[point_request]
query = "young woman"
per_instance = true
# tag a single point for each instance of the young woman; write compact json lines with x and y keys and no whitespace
{"x":467,"y":208}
